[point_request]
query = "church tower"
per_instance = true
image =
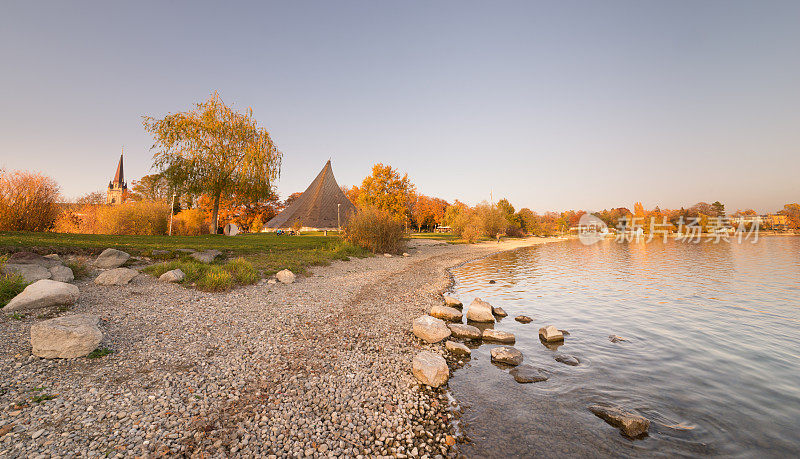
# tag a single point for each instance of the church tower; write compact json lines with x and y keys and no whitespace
{"x":117,"y":187}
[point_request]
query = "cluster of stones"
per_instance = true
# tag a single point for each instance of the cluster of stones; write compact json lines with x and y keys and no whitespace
{"x":432,"y":369}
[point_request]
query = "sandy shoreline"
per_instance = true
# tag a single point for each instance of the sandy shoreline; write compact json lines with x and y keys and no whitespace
{"x":315,"y":368}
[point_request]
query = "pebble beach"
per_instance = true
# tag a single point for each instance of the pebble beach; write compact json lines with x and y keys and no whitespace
{"x":319,"y":367}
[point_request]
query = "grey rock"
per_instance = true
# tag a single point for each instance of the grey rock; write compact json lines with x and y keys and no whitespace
{"x":61,"y":273}
{"x":498,"y":336}
{"x":30,"y":258}
{"x":457,"y":348}
{"x":630,"y":424}
{"x":430,"y":329}
{"x":29,"y":272}
{"x":111,"y":258}
{"x":507,"y":354}
{"x":567,"y":359}
{"x":207,"y":256}
{"x":480,"y":311}
{"x":465,"y":331}
{"x":525,"y":374}
{"x":66,"y":337}
{"x":41,"y":294}
{"x":176,"y":275}
{"x":118,"y":276}
{"x":430,"y":369}
{"x":445,"y":313}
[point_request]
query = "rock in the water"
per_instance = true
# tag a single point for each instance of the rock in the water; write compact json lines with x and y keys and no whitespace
{"x":29,"y":272}
{"x":111,"y":258}
{"x":523,"y":319}
{"x":176,"y":275}
{"x":465,"y":331}
{"x":41,"y":294}
{"x":616,"y":339}
{"x":61,"y":273}
{"x":430,"y":329}
{"x":457,"y":348}
{"x":285,"y":276}
{"x":66,"y":337}
{"x":206,"y":257}
{"x":507,"y":355}
{"x":525,"y":374}
{"x":567,"y":359}
{"x":498,"y":336}
{"x":550,"y":334}
{"x":30,"y":258}
{"x":446,"y":313}
{"x":630,"y":424}
{"x":480,"y":311}
{"x":492,"y":281}
{"x":118,"y":276}
{"x":430,"y":368}
{"x":452,"y":302}
{"x":498,"y":311}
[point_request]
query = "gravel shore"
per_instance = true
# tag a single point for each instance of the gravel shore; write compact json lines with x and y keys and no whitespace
{"x":315,"y":368}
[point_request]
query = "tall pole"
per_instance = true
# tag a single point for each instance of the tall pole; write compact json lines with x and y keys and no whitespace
{"x":338,"y":216}
{"x":171,"y":213}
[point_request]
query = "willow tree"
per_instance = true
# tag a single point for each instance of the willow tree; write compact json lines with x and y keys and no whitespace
{"x":216,"y":151}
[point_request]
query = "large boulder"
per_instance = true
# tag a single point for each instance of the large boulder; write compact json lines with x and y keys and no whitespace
{"x":207,"y":256}
{"x":498,"y":336}
{"x":30,"y":258}
{"x":176,"y":275}
{"x":630,"y":424}
{"x":110,"y":259}
{"x":285,"y":276}
{"x":464,"y":331}
{"x":29,"y":272}
{"x":66,"y":337}
{"x":118,"y":276}
{"x":452,"y":302}
{"x":430,"y":369}
{"x":480,"y":311}
{"x":61,"y":273}
{"x":446,"y":313}
{"x":42,"y":294}
{"x":507,"y":355}
{"x":550,"y":334}
{"x":457,"y":348}
{"x":430,"y":329}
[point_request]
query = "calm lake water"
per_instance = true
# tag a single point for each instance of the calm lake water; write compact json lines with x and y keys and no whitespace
{"x":712,"y":355}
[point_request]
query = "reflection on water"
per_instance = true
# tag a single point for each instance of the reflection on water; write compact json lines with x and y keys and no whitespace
{"x":711,"y":357}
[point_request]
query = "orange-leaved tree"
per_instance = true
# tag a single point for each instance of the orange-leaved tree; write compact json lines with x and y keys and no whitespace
{"x":386,"y":189}
{"x":216,"y":151}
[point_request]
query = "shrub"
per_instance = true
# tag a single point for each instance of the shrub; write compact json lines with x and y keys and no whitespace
{"x":191,"y":222}
{"x":11,"y":285}
{"x":376,"y":230}
{"x":135,"y":218}
{"x":480,"y":221}
{"x":27,"y":201}
{"x":215,"y":279}
{"x":242,"y":271}
{"x":210,"y":277}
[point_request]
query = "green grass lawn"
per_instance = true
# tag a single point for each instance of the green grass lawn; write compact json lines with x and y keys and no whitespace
{"x":447,"y":237}
{"x":267,"y":252}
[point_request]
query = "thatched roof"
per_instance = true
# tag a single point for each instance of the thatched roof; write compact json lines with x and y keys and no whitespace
{"x":320,"y":206}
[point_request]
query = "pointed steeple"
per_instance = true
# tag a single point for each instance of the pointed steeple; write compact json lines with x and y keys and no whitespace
{"x":119,"y":177}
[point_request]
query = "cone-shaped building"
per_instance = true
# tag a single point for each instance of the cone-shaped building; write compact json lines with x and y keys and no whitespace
{"x":322,"y":206}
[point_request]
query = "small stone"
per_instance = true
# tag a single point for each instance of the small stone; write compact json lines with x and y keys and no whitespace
{"x":387,"y":255}
{"x":616,"y":339}
{"x":449,"y":440}
{"x":37,"y":434}
{"x":430,"y":369}
{"x":446,"y":313}
{"x":498,"y":311}
{"x":507,"y":355}
{"x":550,"y":334}
{"x":525,"y":374}
{"x":567,"y":359}
{"x":405,"y":254}
{"x":452,"y":302}
{"x":430,"y":329}
{"x":111,"y":258}
{"x":285,"y":276}
{"x":272,"y":281}
{"x":498,"y":336}
{"x":457,"y":348}
{"x":176,"y":275}
{"x":523,"y":319}
{"x":630,"y":424}
{"x":480,"y":311}
{"x":464,"y":331}
{"x":117,"y":276}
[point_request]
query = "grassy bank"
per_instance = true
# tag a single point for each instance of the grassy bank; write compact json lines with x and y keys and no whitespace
{"x":267,"y":252}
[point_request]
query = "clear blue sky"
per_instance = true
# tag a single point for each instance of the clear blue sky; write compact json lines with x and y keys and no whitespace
{"x":555,"y":105}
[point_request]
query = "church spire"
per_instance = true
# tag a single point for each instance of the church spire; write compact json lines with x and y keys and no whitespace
{"x":119,"y":177}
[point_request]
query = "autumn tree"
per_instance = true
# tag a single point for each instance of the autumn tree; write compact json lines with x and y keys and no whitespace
{"x":792,"y":213}
{"x":216,"y":151}
{"x":27,"y":201}
{"x":292,"y":198}
{"x":152,"y":187}
{"x":427,"y":211}
{"x":386,"y":189}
